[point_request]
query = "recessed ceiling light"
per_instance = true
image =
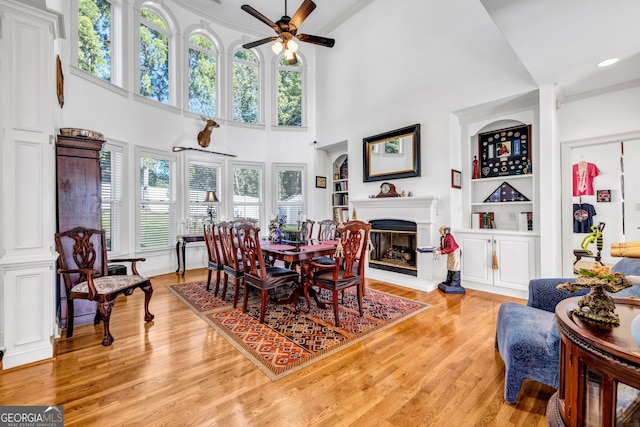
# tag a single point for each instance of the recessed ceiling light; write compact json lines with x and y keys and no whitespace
{"x":607,"y":62}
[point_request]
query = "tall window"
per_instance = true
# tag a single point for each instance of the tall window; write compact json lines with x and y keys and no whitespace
{"x":289,"y":93}
{"x":111,"y":163}
{"x":247,"y":191}
{"x":94,"y":37}
{"x":154,"y":57}
{"x":202,"y":177}
{"x":246,"y":87}
{"x":289,"y":192}
{"x":156,"y":210}
{"x":203,"y":83}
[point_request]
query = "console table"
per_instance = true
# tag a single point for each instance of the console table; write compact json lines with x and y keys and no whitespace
{"x":183,"y":240}
{"x":599,"y":370}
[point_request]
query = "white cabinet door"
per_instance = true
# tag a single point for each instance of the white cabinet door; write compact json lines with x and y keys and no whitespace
{"x":476,"y":257}
{"x":516,"y":261}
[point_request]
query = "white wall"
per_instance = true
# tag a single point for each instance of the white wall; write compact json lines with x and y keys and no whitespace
{"x":383,"y":75}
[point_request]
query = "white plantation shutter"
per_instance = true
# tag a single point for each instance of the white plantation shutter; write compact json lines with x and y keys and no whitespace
{"x":202,"y":177}
{"x":111,"y":163}
{"x":289,"y":192}
{"x":156,"y":209}
{"x":247,"y":191}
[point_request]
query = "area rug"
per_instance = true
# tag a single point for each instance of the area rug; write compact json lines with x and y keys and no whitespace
{"x":290,"y":340}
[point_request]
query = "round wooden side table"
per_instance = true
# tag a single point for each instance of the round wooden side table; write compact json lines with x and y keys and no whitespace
{"x":599,"y":369}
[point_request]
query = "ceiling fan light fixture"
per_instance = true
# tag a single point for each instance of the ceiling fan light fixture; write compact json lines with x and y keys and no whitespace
{"x":277,"y":47}
{"x":288,"y":55}
{"x":292,"y":46}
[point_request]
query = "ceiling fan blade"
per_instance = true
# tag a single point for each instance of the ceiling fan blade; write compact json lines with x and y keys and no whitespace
{"x":322,"y":41}
{"x":259,"y":42}
{"x":303,"y":11}
{"x":251,"y":11}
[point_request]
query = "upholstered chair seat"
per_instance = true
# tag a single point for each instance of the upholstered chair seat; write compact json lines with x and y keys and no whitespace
{"x":110,"y":284}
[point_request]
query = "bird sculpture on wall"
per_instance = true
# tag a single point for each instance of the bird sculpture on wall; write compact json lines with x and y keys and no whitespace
{"x":204,"y":136}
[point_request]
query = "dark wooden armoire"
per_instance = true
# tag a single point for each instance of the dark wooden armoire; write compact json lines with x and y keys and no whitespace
{"x":79,"y":200}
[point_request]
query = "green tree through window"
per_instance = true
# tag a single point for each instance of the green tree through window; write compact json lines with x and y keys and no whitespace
{"x":94,"y":37}
{"x":289,"y":94}
{"x":202,"y":76}
{"x":246,"y":192}
{"x":246,"y":87}
{"x":154,"y":57}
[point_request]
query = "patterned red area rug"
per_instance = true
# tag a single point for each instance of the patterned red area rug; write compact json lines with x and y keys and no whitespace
{"x":289,"y":340}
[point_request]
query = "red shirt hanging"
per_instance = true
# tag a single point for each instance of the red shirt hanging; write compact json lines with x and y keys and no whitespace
{"x":583,"y":176}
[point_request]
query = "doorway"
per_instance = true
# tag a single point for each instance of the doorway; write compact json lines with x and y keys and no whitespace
{"x":594,"y":192}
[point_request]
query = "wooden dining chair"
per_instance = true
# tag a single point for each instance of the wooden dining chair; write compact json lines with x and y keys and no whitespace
{"x":256,"y":272}
{"x":233,"y":269}
{"x":239,"y":221}
{"x":216,"y":260}
{"x":348,"y":269}
{"x":305,"y":231}
{"x":327,"y":230}
{"x":83,"y":267}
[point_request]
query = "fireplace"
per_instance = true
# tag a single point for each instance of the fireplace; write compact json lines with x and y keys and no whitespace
{"x":419,"y":212}
{"x":394,"y":246}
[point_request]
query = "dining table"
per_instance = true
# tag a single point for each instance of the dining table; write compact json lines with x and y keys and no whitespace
{"x":300,"y":254}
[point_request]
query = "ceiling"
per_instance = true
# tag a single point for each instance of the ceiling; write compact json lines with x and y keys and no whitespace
{"x":558,"y":41}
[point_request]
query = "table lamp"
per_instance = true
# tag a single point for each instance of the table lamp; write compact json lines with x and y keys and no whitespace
{"x":211,"y":199}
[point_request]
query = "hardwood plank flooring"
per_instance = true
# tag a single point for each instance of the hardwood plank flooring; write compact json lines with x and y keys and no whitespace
{"x":438,"y":368}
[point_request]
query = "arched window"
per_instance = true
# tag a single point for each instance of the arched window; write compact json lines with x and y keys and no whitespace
{"x":203,"y":76}
{"x":290,"y":93}
{"x":246,"y":87}
{"x":154,"y":56}
{"x":95,"y":23}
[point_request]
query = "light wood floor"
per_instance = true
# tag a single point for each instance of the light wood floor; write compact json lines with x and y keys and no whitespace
{"x":438,"y":368}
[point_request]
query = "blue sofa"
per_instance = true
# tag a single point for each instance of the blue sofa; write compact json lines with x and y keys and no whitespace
{"x":527,"y":336}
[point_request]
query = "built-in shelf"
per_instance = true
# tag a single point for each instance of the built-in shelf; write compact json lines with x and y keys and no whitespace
{"x":503,"y":178}
{"x":340,"y":189}
{"x":501,"y":203}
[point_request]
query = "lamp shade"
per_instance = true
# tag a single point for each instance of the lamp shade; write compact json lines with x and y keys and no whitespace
{"x":211,"y":197}
{"x":277,"y":47}
{"x":292,"y":46}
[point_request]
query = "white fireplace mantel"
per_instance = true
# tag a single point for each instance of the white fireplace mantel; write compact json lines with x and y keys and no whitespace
{"x":420,"y":210}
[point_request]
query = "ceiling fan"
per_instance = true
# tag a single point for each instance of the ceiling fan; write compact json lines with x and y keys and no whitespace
{"x":287,"y":31}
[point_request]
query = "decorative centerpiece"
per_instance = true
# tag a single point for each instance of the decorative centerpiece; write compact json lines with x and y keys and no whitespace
{"x":275,"y":228}
{"x":597,"y":305}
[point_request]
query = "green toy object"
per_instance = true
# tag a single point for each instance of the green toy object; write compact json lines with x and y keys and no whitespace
{"x":595,"y":235}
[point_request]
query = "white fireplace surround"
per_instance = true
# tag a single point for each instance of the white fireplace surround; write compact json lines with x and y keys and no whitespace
{"x":420,"y":210}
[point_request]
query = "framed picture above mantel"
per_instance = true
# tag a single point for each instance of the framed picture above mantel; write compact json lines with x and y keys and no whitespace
{"x":505,"y":152}
{"x":392,"y":155}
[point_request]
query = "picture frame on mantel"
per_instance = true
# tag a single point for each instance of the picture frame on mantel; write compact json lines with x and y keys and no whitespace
{"x":456,"y":179}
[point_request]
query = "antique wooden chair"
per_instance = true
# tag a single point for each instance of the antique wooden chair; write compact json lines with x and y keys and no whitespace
{"x":327,"y":230}
{"x":83,"y":266}
{"x":233,"y":269}
{"x":305,"y":230}
{"x":216,"y":260}
{"x":256,"y":272}
{"x":348,"y":269}
{"x":239,"y":221}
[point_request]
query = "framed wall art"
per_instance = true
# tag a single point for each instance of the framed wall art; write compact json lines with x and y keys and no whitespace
{"x":603,"y":196}
{"x":321,"y":182}
{"x":505,"y":152}
{"x":456,"y":179}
